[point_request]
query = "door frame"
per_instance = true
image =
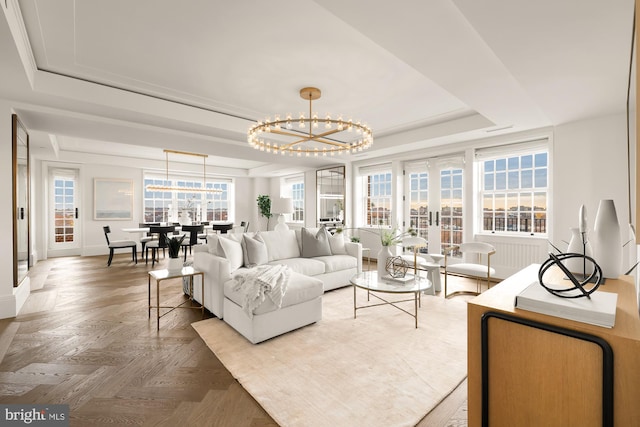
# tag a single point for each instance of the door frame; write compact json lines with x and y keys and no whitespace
{"x":48,"y":220}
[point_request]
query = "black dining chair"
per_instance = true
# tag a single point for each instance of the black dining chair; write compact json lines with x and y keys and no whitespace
{"x":221,"y":228}
{"x":160,"y":243}
{"x":119,"y":244}
{"x":194,"y":231}
{"x":203,"y":235}
{"x":148,"y":236}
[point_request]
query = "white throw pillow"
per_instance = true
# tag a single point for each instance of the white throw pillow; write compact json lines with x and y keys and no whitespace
{"x":255,"y":250}
{"x":281,"y":244}
{"x":315,"y":245}
{"x":233,"y":253}
{"x":336,"y":242}
{"x":213,"y":245}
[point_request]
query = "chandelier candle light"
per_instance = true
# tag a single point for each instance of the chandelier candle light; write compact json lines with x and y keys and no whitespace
{"x":262,"y":135}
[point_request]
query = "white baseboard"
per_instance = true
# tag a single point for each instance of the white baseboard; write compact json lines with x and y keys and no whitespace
{"x":10,"y":305}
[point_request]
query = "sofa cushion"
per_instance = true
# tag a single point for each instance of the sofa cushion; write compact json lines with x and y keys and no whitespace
{"x":300,"y":289}
{"x":315,"y":245}
{"x":254,"y":250}
{"x":281,"y":244}
{"x":336,"y":241}
{"x":232,"y":250}
{"x":306,"y":266}
{"x":337,"y":262}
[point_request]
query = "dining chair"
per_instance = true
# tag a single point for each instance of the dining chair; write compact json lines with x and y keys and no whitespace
{"x":119,"y":244}
{"x":160,"y":243}
{"x":480,"y":270}
{"x":148,"y":236}
{"x":194,"y":233}
{"x":203,"y":235}
{"x":222,"y":228}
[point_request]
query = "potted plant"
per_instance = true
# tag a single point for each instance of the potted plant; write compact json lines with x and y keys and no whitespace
{"x":173,"y":244}
{"x":389,"y":238}
{"x":264,"y":207}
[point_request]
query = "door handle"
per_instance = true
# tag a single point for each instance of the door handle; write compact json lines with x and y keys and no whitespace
{"x":76,"y":213}
{"x":430,"y":218}
{"x":437,"y":219}
{"x":21,"y":213}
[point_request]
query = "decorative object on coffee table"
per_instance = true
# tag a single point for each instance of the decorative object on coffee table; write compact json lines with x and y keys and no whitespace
{"x":397,"y":267}
{"x":383,"y":255}
{"x":390,"y":238}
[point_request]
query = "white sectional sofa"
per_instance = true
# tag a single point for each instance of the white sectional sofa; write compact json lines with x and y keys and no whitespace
{"x":318,"y":261}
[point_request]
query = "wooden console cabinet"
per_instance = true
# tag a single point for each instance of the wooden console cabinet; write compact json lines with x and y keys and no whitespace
{"x":552,"y":376}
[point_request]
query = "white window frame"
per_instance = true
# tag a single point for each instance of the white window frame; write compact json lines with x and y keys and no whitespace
{"x":501,"y":196}
{"x":384,"y":200}
{"x":203,"y":204}
{"x":294,"y":187}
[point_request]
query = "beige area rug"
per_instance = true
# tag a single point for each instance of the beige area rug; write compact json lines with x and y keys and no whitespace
{"x":376,"y":370}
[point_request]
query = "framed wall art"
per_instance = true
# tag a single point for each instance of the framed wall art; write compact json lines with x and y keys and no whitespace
{"x":112,"y":199}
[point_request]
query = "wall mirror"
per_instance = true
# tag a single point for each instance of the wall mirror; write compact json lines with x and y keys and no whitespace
{"x":21,"y":241}
{"x":330,"y":184}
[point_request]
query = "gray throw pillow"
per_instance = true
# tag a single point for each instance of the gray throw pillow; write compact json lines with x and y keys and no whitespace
{"x":255,"y":250}
{"x":315,"y":245}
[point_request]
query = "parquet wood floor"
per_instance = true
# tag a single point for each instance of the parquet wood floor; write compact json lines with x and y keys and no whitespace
{"x":84,"y":339}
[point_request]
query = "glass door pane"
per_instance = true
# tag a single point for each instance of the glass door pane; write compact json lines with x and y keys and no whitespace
{"x":63,"y":210}
{"x":419,"y":203}
{"x":434,"y":206}
{"x":451,"y":206}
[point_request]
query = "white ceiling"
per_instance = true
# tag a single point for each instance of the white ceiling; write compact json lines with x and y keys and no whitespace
{"x":132,"y":78}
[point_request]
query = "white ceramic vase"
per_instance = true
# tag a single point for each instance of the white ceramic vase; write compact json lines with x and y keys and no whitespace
{"x":608,"y":244}
{"x":185,"y":218}
{"x":576,"y":265}
{"x":175,"y":264}
{"x":383,"y":255}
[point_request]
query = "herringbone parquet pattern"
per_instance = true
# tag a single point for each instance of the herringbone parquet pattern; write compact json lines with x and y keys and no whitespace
{"x":84,"y":339}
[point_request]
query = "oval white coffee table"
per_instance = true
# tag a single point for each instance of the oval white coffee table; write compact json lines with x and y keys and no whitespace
{"x":369,"y":281}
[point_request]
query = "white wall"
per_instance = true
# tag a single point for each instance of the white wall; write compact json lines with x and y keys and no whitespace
{"x":245,"y":208}
{"x":590,"y":164}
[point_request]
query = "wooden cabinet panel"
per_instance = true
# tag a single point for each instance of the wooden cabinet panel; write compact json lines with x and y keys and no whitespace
{"x":537,"y":377}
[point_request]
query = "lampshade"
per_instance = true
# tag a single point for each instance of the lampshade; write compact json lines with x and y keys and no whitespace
{"x":282,"y":205}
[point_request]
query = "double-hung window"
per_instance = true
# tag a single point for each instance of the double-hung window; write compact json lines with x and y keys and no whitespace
{"x":293,"y":187}
{"x":514,"y":188}
{"x":168,"y":206}
{"x":377,"y":195}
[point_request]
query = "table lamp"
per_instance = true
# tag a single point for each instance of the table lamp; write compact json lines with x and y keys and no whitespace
{"x":281,"y":206}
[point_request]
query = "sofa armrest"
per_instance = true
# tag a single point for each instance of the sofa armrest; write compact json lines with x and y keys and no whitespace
{"x":355,"y":250}
{"x":216,"y":274}
{"x":200,"y":248}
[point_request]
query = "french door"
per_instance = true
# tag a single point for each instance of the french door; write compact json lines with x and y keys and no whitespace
{"x":64,"y":215}
{"x":434,"y":201}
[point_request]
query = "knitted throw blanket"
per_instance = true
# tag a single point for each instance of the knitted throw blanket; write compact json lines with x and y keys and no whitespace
{"x":258,"y":283}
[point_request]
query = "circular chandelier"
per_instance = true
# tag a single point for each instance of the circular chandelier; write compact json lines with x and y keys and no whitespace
{"x":337,"y":135}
